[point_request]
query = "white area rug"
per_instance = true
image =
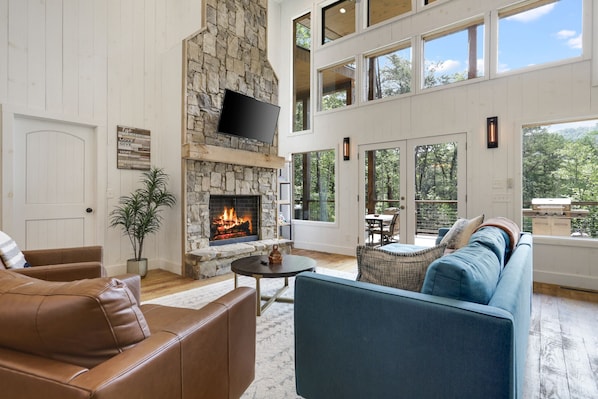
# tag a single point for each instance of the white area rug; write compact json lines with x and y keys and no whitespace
{"x":275,"y":356}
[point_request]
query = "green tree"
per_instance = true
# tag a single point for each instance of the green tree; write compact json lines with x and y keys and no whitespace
{"x":395,"y":78}
{"x":542,"y":158}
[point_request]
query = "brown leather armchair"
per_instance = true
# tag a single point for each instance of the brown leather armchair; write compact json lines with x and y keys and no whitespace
{"x":63,"y":264}
{"x":90,"y":339}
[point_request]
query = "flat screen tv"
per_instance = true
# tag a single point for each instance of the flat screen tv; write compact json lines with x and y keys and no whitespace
{"x":245,"y":116}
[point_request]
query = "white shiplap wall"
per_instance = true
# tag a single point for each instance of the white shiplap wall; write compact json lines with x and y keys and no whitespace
{"x":101,"y":63}
{"x":559,"y":92}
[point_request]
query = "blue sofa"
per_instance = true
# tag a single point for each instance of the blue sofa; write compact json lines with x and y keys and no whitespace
{"x":361,"y":340}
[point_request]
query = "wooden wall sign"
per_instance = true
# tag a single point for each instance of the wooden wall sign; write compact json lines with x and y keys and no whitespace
{"x":133,"y":148}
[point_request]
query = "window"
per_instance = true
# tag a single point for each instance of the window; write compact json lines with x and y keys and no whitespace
{"x":301,"y":72}
{"x":381,"y":10}
{"x":560,"y":163}
{"x":388,"y":73}
{"x":526,"y":33}
{"x":314,"y":186}
{"x":338,"y":20}
{"x":454,"y":55}
{"x":337,"y":86}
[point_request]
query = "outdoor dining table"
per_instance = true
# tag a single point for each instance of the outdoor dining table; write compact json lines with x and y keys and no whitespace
{"x":376,"y":221}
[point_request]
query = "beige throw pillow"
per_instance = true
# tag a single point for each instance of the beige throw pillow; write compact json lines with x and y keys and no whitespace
{"x":459,"y":234}
{"x":405,"y":270}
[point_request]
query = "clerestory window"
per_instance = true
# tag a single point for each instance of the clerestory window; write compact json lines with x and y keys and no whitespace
{"x":389,"y":73}
{"x":338,"y":20}
{"x":538,"y":33}
{"x":454,"y":55}
{"x":337,"y":86}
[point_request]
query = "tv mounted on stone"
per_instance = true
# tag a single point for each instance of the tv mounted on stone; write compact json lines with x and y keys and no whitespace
{"x":245,"y":116}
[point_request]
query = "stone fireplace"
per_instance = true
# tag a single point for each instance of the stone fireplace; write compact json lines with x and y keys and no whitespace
{"x":228,"y":53}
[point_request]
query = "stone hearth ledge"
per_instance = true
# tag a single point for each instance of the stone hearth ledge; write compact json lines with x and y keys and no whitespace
{"x":214,"y":261}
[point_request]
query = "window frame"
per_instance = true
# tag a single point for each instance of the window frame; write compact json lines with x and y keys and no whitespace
{"x":307,"y":104}
{"x":550,"y":239}
{"x":353,"y":86}
{"x":367,"y":14}
{"x":336,"y":155}
{"x":523,"y":7}
{"x":403,"y":45}
{"x":475,"y":21}
{"x":332,"y":5}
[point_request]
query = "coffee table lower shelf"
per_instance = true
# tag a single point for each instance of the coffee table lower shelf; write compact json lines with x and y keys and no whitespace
{"x":269,"y":299}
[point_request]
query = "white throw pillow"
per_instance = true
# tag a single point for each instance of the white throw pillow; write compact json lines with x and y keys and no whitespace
{"x":459,"y":234}
{"x":11,"y":255}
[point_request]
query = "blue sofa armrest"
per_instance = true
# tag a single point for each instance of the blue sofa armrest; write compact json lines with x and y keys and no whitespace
{"x":360,"y":340}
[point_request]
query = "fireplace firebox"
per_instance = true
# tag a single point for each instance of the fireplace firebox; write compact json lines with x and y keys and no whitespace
{"x":234,"y":218}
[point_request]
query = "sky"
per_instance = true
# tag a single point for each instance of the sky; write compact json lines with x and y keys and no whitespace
{"x":544,"y":34}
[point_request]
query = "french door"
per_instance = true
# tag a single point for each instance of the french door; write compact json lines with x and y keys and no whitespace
{"x":421,"y":179}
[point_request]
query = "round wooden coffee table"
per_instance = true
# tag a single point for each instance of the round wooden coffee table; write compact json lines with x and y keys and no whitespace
{"x":258,"y":268}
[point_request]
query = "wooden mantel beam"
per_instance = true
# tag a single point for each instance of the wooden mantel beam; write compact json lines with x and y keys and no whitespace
{"x":205,"y":152}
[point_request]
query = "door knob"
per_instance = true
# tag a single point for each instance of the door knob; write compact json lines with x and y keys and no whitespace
{"x":89,"y":210}
{"x":402,"y":206}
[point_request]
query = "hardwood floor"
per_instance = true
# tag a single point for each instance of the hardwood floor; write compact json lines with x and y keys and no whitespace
{"x":158,"y":283}
{"x":563,"y":345}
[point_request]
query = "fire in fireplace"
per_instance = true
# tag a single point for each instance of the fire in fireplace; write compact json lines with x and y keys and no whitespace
{"x":233,"y":219}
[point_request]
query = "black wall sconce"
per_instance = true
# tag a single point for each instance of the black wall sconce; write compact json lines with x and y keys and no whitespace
{"x":346,"y":149}
{"x":492,"y":132}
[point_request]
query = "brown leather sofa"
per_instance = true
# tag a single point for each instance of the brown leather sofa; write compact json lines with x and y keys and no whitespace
{"x":63,"y":264}
{"x":90,"y":339}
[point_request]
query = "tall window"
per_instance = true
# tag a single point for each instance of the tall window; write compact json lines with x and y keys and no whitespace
{"x":338,"y":20}
{"x":560,"y":163}
{"x":314,"y":186}
{"x":388,"y":73}
{"x":301,"y":72}
{"x":538,"y":33}
{"x":454,"y":55}
{"x":337,"y":86}
{"x":381,"y":10}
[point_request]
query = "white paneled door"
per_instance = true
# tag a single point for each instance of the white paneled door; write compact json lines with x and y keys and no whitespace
{"x":55,"y":177}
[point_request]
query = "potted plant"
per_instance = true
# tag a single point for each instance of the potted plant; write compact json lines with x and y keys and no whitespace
{"x":139,"y":214}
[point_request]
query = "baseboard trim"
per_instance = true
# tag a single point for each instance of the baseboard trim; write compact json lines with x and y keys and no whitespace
{"x":567,"y":280}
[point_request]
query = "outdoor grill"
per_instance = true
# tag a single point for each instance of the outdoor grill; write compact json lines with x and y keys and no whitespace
{"x":552,"y":216}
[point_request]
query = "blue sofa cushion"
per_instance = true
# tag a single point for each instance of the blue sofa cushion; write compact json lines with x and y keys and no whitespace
{"x":404,"y":270}
{"x":497,"y":240}
{"x":469,"y":274}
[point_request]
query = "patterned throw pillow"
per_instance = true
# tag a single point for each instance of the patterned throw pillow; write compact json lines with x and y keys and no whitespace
{"x":458,"y":236}
{"x":404,"y":270}
{"x":10,"y":253}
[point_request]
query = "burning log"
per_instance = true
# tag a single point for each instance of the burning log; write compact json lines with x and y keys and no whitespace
{"x":228,"y":225}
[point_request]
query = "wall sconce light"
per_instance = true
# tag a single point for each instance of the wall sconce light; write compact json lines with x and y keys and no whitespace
{"x":492,"y":132}
{"x":346,"y":149}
